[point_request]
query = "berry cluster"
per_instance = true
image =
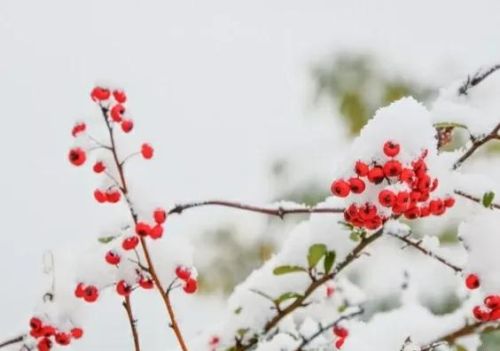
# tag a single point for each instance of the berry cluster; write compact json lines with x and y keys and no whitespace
{"x":490,"y":311}
{"x":341,"y":334}
{"x":46,"y":335}
{"x":89,"y":293}
{"x":402,"y":190}
{"x":185,"y":274}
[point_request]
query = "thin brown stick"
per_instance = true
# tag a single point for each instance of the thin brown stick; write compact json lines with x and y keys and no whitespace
{"x":475,"y":198}
{"x":128,"y":308}
{"x":300,"y":301}
{"x":417,"y":245}
{"x":476,"y":79}
{"x":278,"y":212}
{"x":493,"y":135}
{"x":150,"y":264}
{"x":12,"y":341}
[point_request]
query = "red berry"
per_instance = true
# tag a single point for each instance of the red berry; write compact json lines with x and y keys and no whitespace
{"x":112,"y":258}
{"x":437,"y":207}
{"x":391,"y":148}
{"x":36,"y":323}
{"x":340,"y":331}
{"x":367,"y":212}
{"x":392,"y":168}
{"x":480,"y":314}
{"x":156,"y":232}
{"x":99,"y":167}
{"x":123,"y":289}
{"x":47,"y":331}
{"x":191,"y":286}
{"x":160,"y":216}
{"x":90,"y":293}
{"x":373,"y":223}
{"x":492,"y":301}
{"x":117,"y":112}
{"x":412,"y":213}
{"x":120,"y":96}
{"x":472,"y":281}
{"x":387,"y":198}
{"x":403,"y":198}
{"x":361,"y":168}
{"x":80,"y":290}
{"x":113,"y":196}
{"x":494,"y":315}
{"x":214,"y":341}
{"x":130,"y":243}
{"x":406,"y":175}
{"x":77,"y":156}
{"x":424,"y":183}
{"x":340,"y":188}
{"x":78,"y":128}
{"x":77,"y":333}
{"x":329,"y":291}
{"x":100,"y":196}
{"x":142,"y":229}
{"x":449,"y":202}
{"x":424,"y":211}
{"x":146,"y":283}
{"x":357,"y":185}
{"x":127,"y":125}
{"x":376,"y":175}
{"x":339,"y":342}
{"x":147,"y":151}
{"x":183,"y":272}
{"x":63,"y":339}
{"x":100,"y":94}
{"x":435,"y":184}
{"x":44,"y":344}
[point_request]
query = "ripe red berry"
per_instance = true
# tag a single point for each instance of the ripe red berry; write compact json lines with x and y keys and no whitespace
{"x":90,"y":293}
{"x":480,"y":314}
{"x":214,"y":341}
{"x":329,"y":291}
{"x":112,"y":258}
{"x":494,"y":315}
{"x":160,"y":216}
{"x":77,"y":333}
{"x":123,"y":289}
{"x":449,"y":202}
{"x":77,"y":156}
{"x":412,"y":213}
{"x":367,"y":212}
{"x":472,"y":281}
{"x":146,"y":283}
{"x":392,"y":168}
{"x":147,"y":151}
{"x":63,"y":339}
{"x":191,"y":286}
{"x":142,"y":229}
{"x":340,"y":331}
{"x":424,"y":211}
{"x":492,"y":301}
{"x":391,"y":148}
{"x":434,"y":184}
{"x":78,"y":129}
{"x":99,"y":167}
{"x":156,"y":232}
{"x":361,"y":168}
{"x":406,"y":175}
{"x":100,"y":94}
{"x":340,"y":188}
{"x":36,"y":323}
{"x":357,"y":185}
{"x":47,"y":331}
{"x":339,"y":342}
{"x":100,"y":196}
{"x":403,"y":198}
{"x":117,"y":112}
{"x":80,"y":290}
{"x":120,"y":96}
{"x":437,"y":207}
{"x":44,"y":344}
{"x":183,"y":272}
{"x":113,"y":196}
{"x":373,"y":223}
{"x":387,"y":198}
{"x":130,"y":243}
{"x":127,"y":125}
{"x":376,"y":175}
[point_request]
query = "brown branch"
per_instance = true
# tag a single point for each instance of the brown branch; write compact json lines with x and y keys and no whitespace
{"x":12,"y":341}
{"x":128,"y":308}
{"x":476,"y":79}
{"x":278,"y":212}
{"x":467,"y":330}
{"x":150,"y":265}
{"x":474,"y":198}
{"x":476,"y":144}
{"x":300,"y":301}
{"x":417,"y":245}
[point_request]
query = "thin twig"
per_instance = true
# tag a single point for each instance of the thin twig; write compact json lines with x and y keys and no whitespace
{"x":417,"y":245}
{"x":12,"y":341}
{"x":128,"y":308}
{"x":476,"y":79}
{"x":278,"y":212}
{"x":322,"y":329}
{"x":475,"y":198}
{"x":476,"y":144}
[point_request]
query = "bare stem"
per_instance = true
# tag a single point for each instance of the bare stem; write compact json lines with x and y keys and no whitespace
{"x":476,"y":79}
{"x":12,"y":341}
{"x":476,"y":144}
{"x":475,"y":198}
{"x":128,"y":308}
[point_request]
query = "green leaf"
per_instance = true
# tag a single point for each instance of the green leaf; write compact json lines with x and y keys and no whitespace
{"x":316,"y":252}
{"x":287,"y":296}
{"x":354,"y":236}
{"x":488,"y":199}
{"x":329,"y":261}
{"x":241,"y":332}
{"x":238,"y":310}
{"x":107,"y":239}
{"x":288,"y":269}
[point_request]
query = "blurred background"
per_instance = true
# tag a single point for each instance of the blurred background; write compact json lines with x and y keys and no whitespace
{"x":247,"y":101}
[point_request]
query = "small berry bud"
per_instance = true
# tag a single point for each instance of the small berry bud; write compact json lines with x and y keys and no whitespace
{"x":99,"y":167}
